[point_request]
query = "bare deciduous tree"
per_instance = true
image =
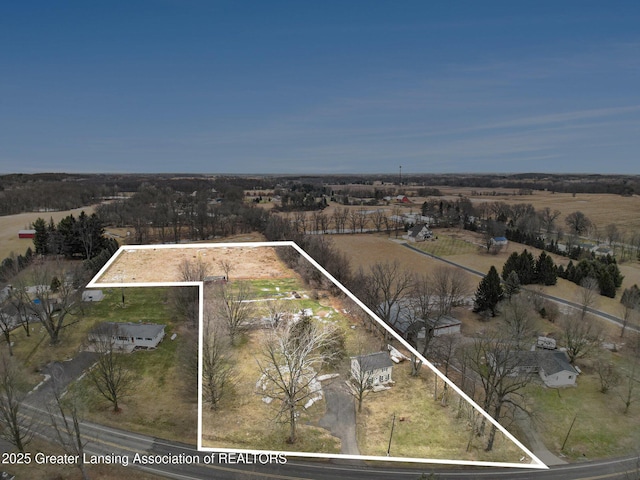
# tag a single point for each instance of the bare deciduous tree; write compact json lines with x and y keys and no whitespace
{"x":184,"y":299}
{"x":517,"y":313}
{"x":7,"y":324}
{"x":49,"y":306}
{"x":496,"y":363}
{"x":15,"y":427}
{"x":450,"y":288}
{"x":291,"y":356}
{"x":227,"y":267}
{"x":588,"y":295}
{"x":217,"y":366}
{"x":65,"y":420}
{"x":110,"y":375}
{"x":607,"y":373}
{"x":548,"y":219}
{"x":234,"y":307}
{"x":581,"y":336}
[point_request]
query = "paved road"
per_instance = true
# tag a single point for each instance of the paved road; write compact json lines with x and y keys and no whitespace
{"x":101,"y":440}
{"x":599,"y":313}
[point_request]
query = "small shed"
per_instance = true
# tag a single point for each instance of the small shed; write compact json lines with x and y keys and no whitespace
{"x":92,"y":296}
{"x":26,"y":234}
{"x":374,"y":368}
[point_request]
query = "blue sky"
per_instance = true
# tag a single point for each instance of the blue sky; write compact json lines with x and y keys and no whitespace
{"x":319,"y":86}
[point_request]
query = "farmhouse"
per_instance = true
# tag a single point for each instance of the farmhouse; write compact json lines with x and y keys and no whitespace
{"x":499,"y":241}
{"x":128,"y":336}
{"x":374,"y":368}
{"x":26,"y":233}
{"x":419,"y":233}
{"x":552,"y":366}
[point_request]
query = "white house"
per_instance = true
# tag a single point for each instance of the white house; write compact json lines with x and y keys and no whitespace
{"x":128,"y":336}
{"x":499,"y":241}
{"x":374,"y":368}
{"x":419,"y":233}
{"x":552,"y":366}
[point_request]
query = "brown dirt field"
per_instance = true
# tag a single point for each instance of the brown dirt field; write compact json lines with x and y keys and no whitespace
{"x":163,"y":265}
{"x":10,"y":224}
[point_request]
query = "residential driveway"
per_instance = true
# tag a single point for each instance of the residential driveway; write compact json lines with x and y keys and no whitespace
{"x":340,"y":417}
{"x":64,"y":373}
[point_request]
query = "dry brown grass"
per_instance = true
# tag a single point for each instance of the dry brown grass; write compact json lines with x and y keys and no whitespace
{"x":245,"y":421}
{"x":423,"y":427}
{"x":163,"y":264}
{"x":10,"y":224}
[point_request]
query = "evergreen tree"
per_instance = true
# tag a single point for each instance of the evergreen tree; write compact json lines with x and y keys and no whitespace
{"x":489,"y":292}
{"x":526,"y":267}
{"x":607,"y":287}
{"x":512,"y":285}
{"x":511,"y":265}
{"x":546,"y":273}
{"x":41,"y":238}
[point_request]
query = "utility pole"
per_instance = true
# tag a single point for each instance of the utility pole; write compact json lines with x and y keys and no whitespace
{"x":393,"y":423}
{"x":567,"y":437}
{"x":400,"y":177}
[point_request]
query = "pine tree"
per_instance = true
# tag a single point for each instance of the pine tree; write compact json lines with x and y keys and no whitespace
{"x":546,"y":273}
{"x":511,"y":285}
{"x":41,"y":238}
{"x":489,"y":292}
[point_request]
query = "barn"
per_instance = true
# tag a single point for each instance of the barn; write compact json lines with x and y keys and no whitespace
{"x":26,"y":234}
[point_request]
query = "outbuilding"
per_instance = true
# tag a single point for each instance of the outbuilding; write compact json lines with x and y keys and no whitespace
{"x":26,"y":234}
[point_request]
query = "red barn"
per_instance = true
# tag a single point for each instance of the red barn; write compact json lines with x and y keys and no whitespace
{"x":26,"y":234}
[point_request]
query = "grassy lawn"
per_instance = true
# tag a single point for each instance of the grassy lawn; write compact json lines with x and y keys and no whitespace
{"x":270,"y":288}
{"x":423,"y":427}
{"x":445,"y":245}
{"x":600,"y":430}
{"x":157,"y":404}
{"x":35,"y":351}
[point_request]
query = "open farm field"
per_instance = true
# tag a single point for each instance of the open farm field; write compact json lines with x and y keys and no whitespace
{"x":10,"y":224}
{"x":597,"y":206}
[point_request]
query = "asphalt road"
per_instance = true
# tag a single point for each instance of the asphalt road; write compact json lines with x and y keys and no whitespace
{"x":110,"y":442}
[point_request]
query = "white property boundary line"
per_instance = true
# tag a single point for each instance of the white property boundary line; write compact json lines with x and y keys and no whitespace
{"x":95,"y":283}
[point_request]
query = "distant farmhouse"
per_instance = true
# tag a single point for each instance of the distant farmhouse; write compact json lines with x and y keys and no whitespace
{"x":419,"y":233}
{"x":552,"y":366}
{"x":128,"y":336}
{"x":374,"y":368}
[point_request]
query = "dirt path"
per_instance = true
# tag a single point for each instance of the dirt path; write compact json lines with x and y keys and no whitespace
{"x":340,"y":418}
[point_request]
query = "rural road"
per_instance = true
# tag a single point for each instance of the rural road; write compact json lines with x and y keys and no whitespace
{"x":102,"y":440}
{"x":593,"y":311}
